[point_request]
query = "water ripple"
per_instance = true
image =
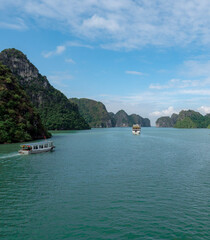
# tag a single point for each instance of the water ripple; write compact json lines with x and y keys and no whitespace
{"x":108,"y":184}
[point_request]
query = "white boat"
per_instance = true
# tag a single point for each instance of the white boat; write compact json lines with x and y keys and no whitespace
{"x":38,"y":147}
{"x":136,"y":130}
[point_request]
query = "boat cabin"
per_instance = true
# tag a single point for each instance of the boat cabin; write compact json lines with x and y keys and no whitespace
{"x":136,"y":129}
{"x":37,"y":147}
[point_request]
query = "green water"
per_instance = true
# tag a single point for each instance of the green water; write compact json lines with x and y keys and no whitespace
{"x":109,"y":184}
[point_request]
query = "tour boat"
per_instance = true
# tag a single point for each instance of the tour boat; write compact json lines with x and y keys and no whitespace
{"x":38,"y":147}
{"x":136,"y":130}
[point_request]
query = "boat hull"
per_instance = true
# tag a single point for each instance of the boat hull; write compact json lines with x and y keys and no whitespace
{"x":34,"y":151}
{"x":136,"y":132}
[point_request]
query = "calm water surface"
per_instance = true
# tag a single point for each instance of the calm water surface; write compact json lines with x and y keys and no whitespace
{"x":109,"y":184}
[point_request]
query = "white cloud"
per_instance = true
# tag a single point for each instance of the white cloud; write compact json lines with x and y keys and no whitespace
{"x":196,"y":68}
{"x":97,"y":22}
{"x":134,"y":73}
{"x":78,"y":44}
{"x":126,"y":24}
{"x":204,"y":92}
{"x":177,"y":83}
{"x":69,"y":60}
{"x":57,"y":51}
{"x":18,"y":24}
{"x":59,"y":77}
{"x":204,"y":109}
{"x":166,"y":112}
{"x":62,"y":48}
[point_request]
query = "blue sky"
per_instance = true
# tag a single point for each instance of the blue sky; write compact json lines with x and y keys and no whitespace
{"x":146,"y":57}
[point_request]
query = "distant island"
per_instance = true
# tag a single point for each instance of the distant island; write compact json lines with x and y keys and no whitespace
{"x":185,"y":119}
{"x":96,"y":115}
{"x":122,"y":119}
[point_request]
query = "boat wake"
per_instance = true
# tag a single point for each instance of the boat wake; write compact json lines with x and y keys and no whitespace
{"x":10,"y":155}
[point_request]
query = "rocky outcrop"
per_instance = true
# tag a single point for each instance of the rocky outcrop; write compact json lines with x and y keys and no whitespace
{"x":124,"y":120}
{"x":94,"y":112}
{"x":19,"y":121}
{"x":55,"y":109}
{"x":136,"y":119}
{"x":112,"y":117}
{"x":19,"y":65}
{"x":164,"y":122}
{"x":174,"y":118}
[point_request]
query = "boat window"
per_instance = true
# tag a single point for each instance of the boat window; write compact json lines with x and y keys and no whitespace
{"x":46,"y":145}
{"x":40,"y":146}
{"x":35,"y":147}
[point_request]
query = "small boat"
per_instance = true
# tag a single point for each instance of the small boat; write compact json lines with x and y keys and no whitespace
{"x":136,"y":130}
{"x":38,"y":147}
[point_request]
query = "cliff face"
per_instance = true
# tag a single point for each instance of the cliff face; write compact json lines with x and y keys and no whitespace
{"x":55,"y":109}
{"x":185,"y":119}
{"x":19,"y":65}
{"x":112,"y":117}
{"x":122,"y":119}
{"x":19,"y":121}
{"x":94,"y":112}
{"x":174,"y":118}
{"x":164,"y":122}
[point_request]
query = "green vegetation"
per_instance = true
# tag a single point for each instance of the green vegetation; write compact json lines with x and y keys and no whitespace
{"x":185,"y":119}
{"x":56,"y":111}
{"x":185,"y":123}
{"x":19,"y":121}
{"x":94,"y":112}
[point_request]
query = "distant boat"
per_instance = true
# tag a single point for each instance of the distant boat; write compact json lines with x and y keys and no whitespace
{"x":136,"y":130}
{"x":38,"y":147}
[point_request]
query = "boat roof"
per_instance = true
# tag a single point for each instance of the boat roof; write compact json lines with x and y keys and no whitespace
{"x":136,"y":125}
{"x":37,"y":143}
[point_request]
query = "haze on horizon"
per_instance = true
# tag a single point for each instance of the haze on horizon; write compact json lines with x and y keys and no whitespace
{"x":146,"y":57}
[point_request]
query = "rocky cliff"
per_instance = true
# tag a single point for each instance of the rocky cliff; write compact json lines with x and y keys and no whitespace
{"x":19,"y":121}
{"x":164,"y":122}
{"x":136,"y":119}
{"x":122,"y":119}
{"x":94,"y":112}
{"x":54,"y":108}
{"x":112,"y":117}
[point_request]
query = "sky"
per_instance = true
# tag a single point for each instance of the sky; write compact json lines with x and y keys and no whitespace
{"x":149,"y":57}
